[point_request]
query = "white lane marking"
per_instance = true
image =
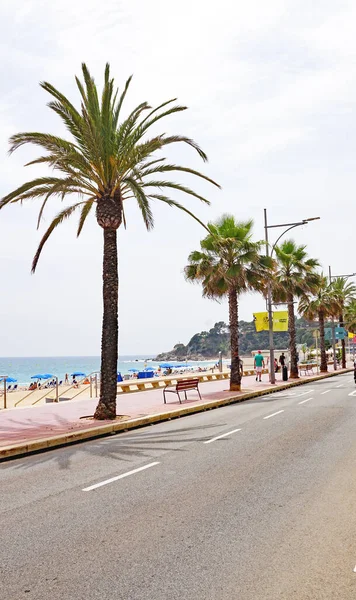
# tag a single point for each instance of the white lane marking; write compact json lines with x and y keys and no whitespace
{"x":274,"y":414}
{"x":353,"y":393}
{"x":306,"y":400}
{"x":97,"y":485}
{"x":326,"y":392}
{"x":341,"y":385}
{"x":304,"y":393}
{"x":218,"y":437}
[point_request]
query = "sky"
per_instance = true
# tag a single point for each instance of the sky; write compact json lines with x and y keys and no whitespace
{"x":271,"y":91}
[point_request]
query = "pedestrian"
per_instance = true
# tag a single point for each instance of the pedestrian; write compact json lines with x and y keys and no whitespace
{"x":66,"y":379}
{"x":282,"y":359}
{"x":259,"y":364}
{"x":241,"y":367}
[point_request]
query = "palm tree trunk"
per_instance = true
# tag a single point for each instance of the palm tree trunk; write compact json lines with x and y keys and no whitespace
{"x":235,"y":376}
{"x":294,"y":374}
{"x":323,"y":359}
{"x":343,"y":347}
{"x":106,"y":408}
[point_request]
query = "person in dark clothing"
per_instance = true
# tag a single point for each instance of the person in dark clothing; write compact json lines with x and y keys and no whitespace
{"x":282,"y":359}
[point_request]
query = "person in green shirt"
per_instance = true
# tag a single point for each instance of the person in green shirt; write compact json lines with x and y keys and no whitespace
{"x":259,"y":364}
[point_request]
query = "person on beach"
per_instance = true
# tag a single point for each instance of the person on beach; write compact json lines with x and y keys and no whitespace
{"x":259,"y":364}
{"x":66,"y":379}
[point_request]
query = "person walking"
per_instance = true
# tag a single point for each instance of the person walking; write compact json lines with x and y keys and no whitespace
{"x":282,"y":360}
{"x":259,"y":364}
{"x":66,"y":379}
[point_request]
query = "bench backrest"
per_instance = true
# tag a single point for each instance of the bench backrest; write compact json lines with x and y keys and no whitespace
{"x":187,"y":384}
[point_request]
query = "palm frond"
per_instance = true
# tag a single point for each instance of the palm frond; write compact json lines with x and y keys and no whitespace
{"x":64,"y":214}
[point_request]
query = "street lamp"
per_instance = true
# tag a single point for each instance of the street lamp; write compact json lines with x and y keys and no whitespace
{"x":289,"y":226}
{"x":332,"y":319}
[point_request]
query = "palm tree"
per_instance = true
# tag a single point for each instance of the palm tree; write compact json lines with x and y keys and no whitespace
{"x":295,"y":275}
{"x":350,"y":316}
{"x":106,"y":162}
{"x":228,"y":264}
{"x":320,"y":305}
{"x":344,"y":292}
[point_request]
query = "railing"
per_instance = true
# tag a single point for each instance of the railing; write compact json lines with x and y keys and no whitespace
{"x":54,"y":390}
{"x":132,"y":385}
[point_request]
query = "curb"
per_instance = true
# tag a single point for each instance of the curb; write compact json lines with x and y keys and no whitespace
{"x":43,"y":444}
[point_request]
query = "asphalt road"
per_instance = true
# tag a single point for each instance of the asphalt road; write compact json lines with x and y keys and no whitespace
{"x":254,"y":501}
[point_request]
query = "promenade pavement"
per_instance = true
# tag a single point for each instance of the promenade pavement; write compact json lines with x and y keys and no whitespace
{"x":28,"y":425}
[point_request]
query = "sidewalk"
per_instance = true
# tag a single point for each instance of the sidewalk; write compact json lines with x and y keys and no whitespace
{"x":25,"y":430}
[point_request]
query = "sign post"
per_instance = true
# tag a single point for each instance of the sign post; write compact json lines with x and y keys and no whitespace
{"x":316,"y":334}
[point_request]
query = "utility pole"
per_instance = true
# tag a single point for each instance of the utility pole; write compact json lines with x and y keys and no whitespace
{"x":270,"y":313}
{"x":333,"y":330}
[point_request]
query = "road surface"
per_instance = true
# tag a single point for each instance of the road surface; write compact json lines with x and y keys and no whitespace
{"x":256,"y":501}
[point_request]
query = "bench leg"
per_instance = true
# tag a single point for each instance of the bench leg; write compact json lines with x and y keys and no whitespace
{"x":164,"y":396}
{"x":185,"y":394}
{"x":199,"y":393}
{"x":180,"y":402}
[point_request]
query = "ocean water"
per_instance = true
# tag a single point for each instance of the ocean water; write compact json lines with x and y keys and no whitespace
{"x":22,"y":369}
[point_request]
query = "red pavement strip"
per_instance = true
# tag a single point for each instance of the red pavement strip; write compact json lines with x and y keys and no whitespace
{"x":31,"y":429}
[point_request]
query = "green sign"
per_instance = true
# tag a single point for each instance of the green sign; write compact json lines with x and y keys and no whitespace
{"x":340,"y":333}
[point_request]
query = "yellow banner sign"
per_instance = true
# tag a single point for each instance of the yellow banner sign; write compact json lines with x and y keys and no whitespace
{"x":261,"y":321}
{"x":280,"y":321}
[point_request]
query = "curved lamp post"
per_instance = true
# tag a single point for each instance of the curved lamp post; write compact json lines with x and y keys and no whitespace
{"x":289,"y":226}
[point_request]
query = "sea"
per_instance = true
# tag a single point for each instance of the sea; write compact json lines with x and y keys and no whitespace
{"x":22,"y":369}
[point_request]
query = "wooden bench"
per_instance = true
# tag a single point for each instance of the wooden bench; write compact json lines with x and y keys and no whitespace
{"x":307,"y":368}
{"x":182,"y":386}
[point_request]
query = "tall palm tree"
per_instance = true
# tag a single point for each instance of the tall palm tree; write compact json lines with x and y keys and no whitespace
{"x":106,"y":161}
{"x":320,"y":305}
{"x":295,"y":275}
{"x":344,"y":292}
{"x":228,"y":264}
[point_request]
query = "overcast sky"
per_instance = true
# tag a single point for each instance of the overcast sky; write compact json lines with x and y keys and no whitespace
{"x":271,"y":90}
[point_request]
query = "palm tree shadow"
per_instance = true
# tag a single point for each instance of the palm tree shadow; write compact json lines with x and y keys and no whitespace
{"x":118,"y":447}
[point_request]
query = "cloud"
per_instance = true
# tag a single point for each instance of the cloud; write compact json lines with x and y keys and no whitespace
{"x":270,"y":90}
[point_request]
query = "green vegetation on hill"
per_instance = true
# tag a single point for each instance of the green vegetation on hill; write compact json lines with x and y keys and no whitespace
{"x":208,"y":344}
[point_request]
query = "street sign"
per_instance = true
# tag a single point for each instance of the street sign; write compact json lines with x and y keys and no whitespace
{"x":340,"y":333}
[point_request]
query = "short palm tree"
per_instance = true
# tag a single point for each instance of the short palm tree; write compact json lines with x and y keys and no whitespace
{"x":320,"y":305}
{"x":295,"y":275}
{"x":106,"y":161}
{"x":229,"y":263}
{"x":344,"y":293}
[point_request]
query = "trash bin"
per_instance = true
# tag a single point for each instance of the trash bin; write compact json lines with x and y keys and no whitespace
{"x":285,"y":373}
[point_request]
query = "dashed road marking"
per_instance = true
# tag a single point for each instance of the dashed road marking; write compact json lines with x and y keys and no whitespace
{"x":274,"y":414}
{"x":218,"y":437}
{"x":112,"y":479}
{"x":306,"y":400}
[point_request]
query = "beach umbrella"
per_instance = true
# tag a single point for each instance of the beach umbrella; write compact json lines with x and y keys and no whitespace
{"x":149,"y":369}
{"x":167,"y":366}
{"x":9,"y":379}
{"x":47,"y":376}
{"x":39,"y":377}
{"x":78,"y":374}
{"x":133,"y":370}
